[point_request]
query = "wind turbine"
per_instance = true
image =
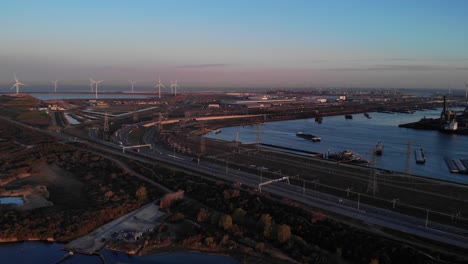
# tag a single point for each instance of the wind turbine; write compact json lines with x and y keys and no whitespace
{"x":159,"y":85}
{"x":96,"y":83}
{"x":174,"y":86}
{"x":466,"y":90}
{"x":17,"y":84}
{"x":91,"y":84}
{"x":56,"y":82}
{"x":132,"y":83}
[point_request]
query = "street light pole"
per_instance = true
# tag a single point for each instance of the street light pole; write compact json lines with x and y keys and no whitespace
{"x":303,"y":187}
{"x":427,"y":217}
{"x":358,"y":200}
{"x":227,"y":167}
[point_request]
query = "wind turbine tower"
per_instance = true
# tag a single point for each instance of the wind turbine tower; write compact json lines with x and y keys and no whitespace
{"x":17,"y":84}
{"x":91,"y":84}
{"x":466,"y":90}
{"x":174,"y":86}
{"x":56,"y":82}
{"x":159,"y":85}
{"x":96,"y":83}
{"x":132,"y":83}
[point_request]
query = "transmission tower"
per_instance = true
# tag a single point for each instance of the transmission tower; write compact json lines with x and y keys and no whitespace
{"x":202,"y":140}
{"x":160,"y":126}
{"x":408,"y":158}
{"x":106,"y":123}
{"x":372,"y":185}
{"x":259,"y":134}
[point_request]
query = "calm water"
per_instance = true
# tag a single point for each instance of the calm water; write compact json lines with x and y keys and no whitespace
{"x":71,"y":120}
{"x":57,"y":96}
{"x":11,"y":200}
{"x":361,"y":134}
{"x":38,"y":252}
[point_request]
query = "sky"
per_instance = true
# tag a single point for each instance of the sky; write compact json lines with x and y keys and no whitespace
{"x":242,"y":43}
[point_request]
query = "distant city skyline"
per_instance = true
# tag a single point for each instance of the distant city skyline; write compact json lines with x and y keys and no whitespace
{"x":277,"y":44}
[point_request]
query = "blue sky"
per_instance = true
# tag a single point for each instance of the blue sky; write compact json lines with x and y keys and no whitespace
{"x":223,"y":43}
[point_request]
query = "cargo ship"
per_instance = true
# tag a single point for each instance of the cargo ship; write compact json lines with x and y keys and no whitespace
{"x":457,"y":165}
{"x":419,"y":156}
{"x":348,"y":117}
{"x":347,"y":156}
{"x":308,"y":136}
{"x":319,"y":119}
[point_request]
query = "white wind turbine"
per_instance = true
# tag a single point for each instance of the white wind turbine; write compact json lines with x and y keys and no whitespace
{"x":17,"y":84}
{"x":466,"y":90}
{"x":174,"y":86}
{"x":159,"y":85}
{"x":95,"y":88}
{"x":132,"y":83}
{"x":56,"y":82}
{"x":91,"y":84}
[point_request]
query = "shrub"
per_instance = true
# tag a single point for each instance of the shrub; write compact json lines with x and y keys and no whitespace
{"x":238,"y":215}
{"x":284,"y":233}
{"x":265,"y":225}
{"x":225,"y":221}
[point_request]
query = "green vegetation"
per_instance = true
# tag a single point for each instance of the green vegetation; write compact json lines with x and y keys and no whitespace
{"x":268,"y":226}
{"x":86,"y":190}
{"x":31,"y":115}
{"x":11,"y":112}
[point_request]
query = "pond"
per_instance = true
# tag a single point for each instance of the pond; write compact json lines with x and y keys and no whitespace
{"x":71,"y":120}
{"x":11,"y":200}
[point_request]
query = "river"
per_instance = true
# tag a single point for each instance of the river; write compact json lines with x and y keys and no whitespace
{"x":361,"y":134}
{"x":47,"y":253}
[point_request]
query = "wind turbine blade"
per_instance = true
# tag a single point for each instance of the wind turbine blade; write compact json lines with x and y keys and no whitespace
{"x":16,"y":79}
{"x":99,"y":81}
{"x":20,"y":83}
{"x":14,"y":85}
